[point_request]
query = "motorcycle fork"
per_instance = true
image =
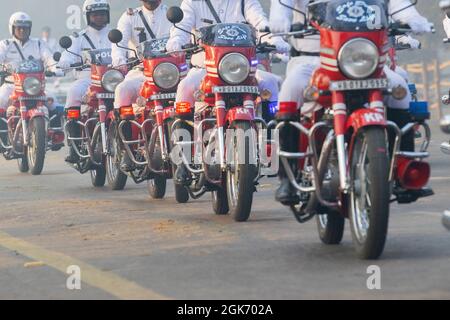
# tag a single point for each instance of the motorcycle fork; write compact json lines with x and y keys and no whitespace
{"x":221,"y":114}
{"x":159,"y":111}
{"x":23,"y":119}
{"x":102,"y":120}
{"x":340,"y":117}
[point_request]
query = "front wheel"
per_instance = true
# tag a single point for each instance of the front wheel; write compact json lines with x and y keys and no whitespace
{"x":369,"y":196}
{"x":116,"y":178}
{"x":22,"y":163}
{"x":330,"y":225}
{"x":241,"y":175}
{"x":157,"y":187}
{"x":98,"y":174}
{"x":37,"y":145}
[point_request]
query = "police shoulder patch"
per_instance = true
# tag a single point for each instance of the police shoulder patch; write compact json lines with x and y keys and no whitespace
{"x":131,"y":11}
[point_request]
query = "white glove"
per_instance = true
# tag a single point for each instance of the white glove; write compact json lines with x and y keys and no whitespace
{"x":282,"y":46}
{"x":408,"y":40}
{"x":279,"y":25}
{"x":173,"y":45}
{"x":420,"y":25}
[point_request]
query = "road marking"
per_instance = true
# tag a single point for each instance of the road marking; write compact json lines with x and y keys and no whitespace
{"x":106,"y":281}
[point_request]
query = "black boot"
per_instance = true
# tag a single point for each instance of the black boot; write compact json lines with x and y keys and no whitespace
{"x":72,"y":157}
{"x":182,"y":175}
{"x":74,"y":132}
{"x":286,"y":194}
{"x":127,"y":165}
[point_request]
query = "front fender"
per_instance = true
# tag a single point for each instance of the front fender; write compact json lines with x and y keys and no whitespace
{"x":364,"y":118}
{"x":37,"y":112}
{"x":239,"y":114}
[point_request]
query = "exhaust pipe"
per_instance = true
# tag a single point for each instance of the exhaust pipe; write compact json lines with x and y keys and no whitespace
{"x":412,"y":174}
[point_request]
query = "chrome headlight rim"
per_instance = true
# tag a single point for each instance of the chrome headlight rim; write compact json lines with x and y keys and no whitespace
{"x":223,"y":73}
{"x":111,"y":79}
{"x":369,"y":72}
{"x":175,"y":75}
{"x":32,"y":86}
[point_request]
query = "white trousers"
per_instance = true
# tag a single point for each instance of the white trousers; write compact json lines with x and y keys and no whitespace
{"x":192,"y":82}
{"x":127,"y":92}
{"x":6,"y":91}
{"x":300,"y":71}
{"x":77,"y":91}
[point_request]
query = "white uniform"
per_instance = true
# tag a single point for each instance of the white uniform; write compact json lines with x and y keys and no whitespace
{"x":128,"y":91}
{"x":446,"y":23}
{"x":300,"y":69}
{"x":228,"y":11}
{"x":80,"y":43}
{"x":10,"y":55}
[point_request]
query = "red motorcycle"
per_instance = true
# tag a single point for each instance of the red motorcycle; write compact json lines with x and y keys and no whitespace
{"x":346,"y":166}
{"x":143,"y":129}
{"x":226,"y":146}
{"x":88,"y":128}
{"x":27,"y":135}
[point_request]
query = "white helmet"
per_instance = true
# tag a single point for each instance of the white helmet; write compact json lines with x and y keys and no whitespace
{"x":19,"y":19}
{"x":90,"y":6}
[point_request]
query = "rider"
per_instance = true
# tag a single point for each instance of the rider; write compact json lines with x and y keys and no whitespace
{"x":17,"y":49}
{"x":232,"y":11}
{"x":306,"y":58}
{"x":95,"y":36}
{"x":137,"y":25}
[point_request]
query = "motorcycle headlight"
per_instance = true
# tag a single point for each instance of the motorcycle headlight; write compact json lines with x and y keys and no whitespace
{"x":166,"y":75}
{"x":358,"y":58}
{"x":32,"y":86}
{"x":111,"y":79}
{"x":234,"y":68}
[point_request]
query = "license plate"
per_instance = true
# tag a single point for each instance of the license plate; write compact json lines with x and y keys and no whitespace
{"x":163,"y":96}
{"x":236,"y":89}
{"x":105,"y":95}
{"x":359,"y":84}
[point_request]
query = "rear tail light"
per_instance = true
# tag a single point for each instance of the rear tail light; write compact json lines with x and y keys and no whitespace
{"x":183,"y":108}
{"x":126,"y":112}
{"x":73,"y":114}
{"x":412,"y":174}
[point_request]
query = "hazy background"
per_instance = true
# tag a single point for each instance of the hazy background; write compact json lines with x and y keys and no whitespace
{"x":53,"y":13}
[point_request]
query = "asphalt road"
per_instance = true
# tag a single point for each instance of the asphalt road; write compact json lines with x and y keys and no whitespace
{"x":129,"y":246}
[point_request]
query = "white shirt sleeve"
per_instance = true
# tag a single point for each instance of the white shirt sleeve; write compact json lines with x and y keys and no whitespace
{"x":188,"y":23}
{"x":4,"y":47}
{"x":404,"y":16}
{"x":255,"y":15}
{"x":119,"y":56}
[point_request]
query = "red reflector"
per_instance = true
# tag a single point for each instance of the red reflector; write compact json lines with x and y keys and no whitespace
{"x":288,"y":107}
{"x":126,"y":112}
{"x":183,"y":108}
{"x":73,"y":114}
{"x":412,"y":174}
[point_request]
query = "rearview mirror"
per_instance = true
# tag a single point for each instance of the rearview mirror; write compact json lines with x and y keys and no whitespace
{"x":65,"y":42}
{"x":57,"y":56}
{"x":115,"y":36}
{"x":175,"y":15}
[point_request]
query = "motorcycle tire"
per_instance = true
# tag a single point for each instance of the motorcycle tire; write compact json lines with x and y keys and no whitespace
{"x":240,"y":184}
{"x":370,"y":164}
{"x":117,"y":180}
{"x":98,"y":174}
{"x":37,"y":145}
